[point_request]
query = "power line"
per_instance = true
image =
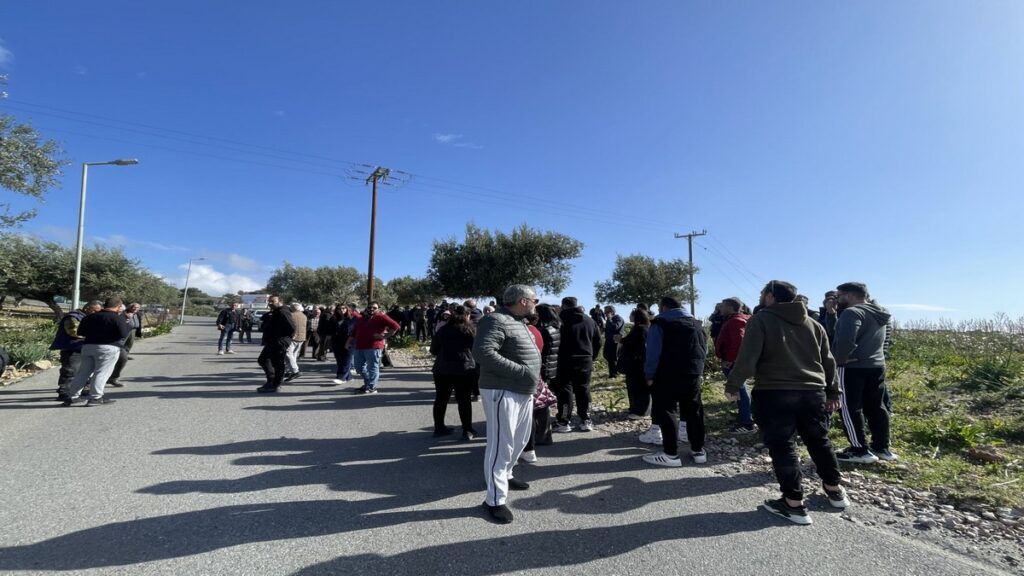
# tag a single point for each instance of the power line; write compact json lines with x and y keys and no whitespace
{"x":728,"y":261}
{"x":727,"y":277}
{"x":752,"y":274}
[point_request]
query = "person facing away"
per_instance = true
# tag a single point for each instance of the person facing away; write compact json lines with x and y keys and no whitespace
{"x":509,"y":369}
{"x":278,"y":328}
{"x":786,"y":353}
{"x":597,"y":315}
{"x":104,"y":333}
{"x":300,"y":320}
{"x":727,"y":347}
{"x":69,"y":342}
{"x":614,"y":330}
{"x":370,"y":332}
{"x":631,"y":364}
{"x":227,"y":323}
{"x":676,"y":349}
{"x":579,"y":346}
{"x":859,"y":349}
{"x":455,"y":371}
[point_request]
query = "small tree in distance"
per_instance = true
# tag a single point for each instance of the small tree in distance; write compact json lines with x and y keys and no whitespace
{"x":638,"y":278}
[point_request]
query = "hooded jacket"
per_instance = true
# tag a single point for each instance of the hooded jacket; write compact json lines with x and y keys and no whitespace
{"x":785,"y":349}
{"x":860,"y":339}
{"x":580,"y":337}
{"x":727,"y":345}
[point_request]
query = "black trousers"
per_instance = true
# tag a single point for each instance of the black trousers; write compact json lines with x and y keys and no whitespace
{"x":573,"y":383}
{"x":462,"y":385}
{"x":540,"y":433}
{"x":122,"y":361}
{"x":638,"y":393}
{"x":864,"y":397}
{"x":781,"y":414}
{"x":611,"y":354}
{"x":272,"y":359}
{"x":672,"y":397}
{"x":70,"y":360}
{"x":421,"y":331}
{"x":245,"y":335}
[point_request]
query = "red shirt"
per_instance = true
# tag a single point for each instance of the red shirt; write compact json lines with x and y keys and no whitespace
{"x":367,"y":326}
{"x":536,"y":336}
{"x":727,"y":346}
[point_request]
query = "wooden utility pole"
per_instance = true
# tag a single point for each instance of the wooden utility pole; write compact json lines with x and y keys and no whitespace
{"x":379,"y":173}
{"x":693,"y":289}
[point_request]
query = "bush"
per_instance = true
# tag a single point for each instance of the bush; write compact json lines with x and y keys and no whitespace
{"x":952,"y":432}
{"x":161,"y":329}
{"x":993,"y":373}
{"x":399,"y":342}
{"x":28,"y":343}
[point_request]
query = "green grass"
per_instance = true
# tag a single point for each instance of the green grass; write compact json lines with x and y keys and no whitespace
{"x":26,"y":339}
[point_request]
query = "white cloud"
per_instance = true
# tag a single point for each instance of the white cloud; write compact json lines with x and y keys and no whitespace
{"x":447,"y":138}
{"x":239,"y":262}
{"x":125,"y":242}
{"x":919,"y":307}
{"x":456,"y":141}
{"x":214,"y":283}
{"x":6,"y":56}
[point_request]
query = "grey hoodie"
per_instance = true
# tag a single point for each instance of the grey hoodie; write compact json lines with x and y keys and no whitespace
{"x":860,"y":336}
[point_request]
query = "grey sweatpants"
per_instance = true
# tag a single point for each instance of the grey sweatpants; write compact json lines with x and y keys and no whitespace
{"x":98,"y":361}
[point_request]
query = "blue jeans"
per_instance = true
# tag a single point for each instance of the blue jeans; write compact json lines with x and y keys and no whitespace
{"x":745,"y":419}
{"x":368,"y":364}
{"x":227,"y":333}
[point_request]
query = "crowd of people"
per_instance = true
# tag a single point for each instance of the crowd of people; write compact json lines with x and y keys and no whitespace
{"x":788,"y":369}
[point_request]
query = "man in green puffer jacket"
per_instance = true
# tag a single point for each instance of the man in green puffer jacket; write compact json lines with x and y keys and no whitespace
{"x":509,"y":369}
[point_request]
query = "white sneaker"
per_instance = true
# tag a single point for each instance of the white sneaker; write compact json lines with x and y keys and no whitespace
{"x":652,"y":436}
{"x":585,"y":426}
{"x":561,"y":428}
{"x":529,"y":457}
{"x":231,"y":351}
{"x":700,"y":457}
{"x":662,"y":459}
{"x":338,"y":381}
{"x":683,"y":436}
{"x":220,"y":352}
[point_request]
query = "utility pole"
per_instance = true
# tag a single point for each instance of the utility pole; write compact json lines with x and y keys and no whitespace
{"x":381,"y":174}
{"x":689,"y":240}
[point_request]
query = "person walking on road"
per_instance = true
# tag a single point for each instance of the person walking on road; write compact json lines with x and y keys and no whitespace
{"x":278,"y":328}
{"x":70,"y":342}
{"x":227,"y":323}
{"x":579,"y":345}
{"x":455,"y":371}
{"x":371,"y":331}
{"x":787,"y":354}
{"x":859,"y":349}
{"x":104,"y":333}
{"x":509,"y":368}
{"x":676,"y":349}
{"x":299,"y":319}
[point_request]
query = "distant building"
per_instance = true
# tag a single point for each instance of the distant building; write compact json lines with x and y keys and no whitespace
{"x":254,"y":301}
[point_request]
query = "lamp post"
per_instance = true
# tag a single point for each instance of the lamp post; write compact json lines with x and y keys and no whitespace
{"x":184,"y":294}
{"x":81,"y":223}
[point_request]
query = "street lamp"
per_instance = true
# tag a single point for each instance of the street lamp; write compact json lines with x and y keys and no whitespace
{"x":81,"y":222}
{"x":184,"y":295}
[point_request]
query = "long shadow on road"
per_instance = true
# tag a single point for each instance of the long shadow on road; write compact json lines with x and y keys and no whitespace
{"x":380,"y":467}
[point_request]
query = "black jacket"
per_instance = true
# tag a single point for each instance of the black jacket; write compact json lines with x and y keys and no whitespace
{"x":580,"y":336}
{"x":634,"y":352}
{"x":278,"y":327}
{"x":614,"y":326}
{"x":684,"y":347}
{"x":453,"y":349}
{"x":228,"y":317}
{"x":549,"y":356}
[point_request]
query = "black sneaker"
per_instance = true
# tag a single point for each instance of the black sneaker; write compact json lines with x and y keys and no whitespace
{"x":360,"y":390}
{"x":291,"y":376}
{"x":446,"y":431}
{"x":856,"y":456}
{"x":500,"y":514}
{"x":115,"y":384}
{"x":781,"y":509}
{"x":73,"y":402}
{"x":836,"y":498}
{"x":102,"y":401}
{"x":514,"y":484}
{"x":265,"y":389}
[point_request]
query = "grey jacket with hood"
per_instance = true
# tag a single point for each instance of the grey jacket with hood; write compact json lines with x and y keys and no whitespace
{"x":860,"y":336}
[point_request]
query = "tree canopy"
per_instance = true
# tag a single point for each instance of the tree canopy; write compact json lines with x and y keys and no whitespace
{"x":29,"y":166}
{"x":486,"y":262}
{"x":324,"y":285}
{"x":409,"y":291}
{"x":40,"y":270}
{"x":638,"y":278}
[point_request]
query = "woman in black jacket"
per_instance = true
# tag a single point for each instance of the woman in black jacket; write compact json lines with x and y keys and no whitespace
{"x":631,"y":363}
{"x":547,"y":324}
{"x":455,"y":370}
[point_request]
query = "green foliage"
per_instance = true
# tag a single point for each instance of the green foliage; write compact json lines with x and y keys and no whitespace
{"x":638,"y":278}
{"x":28,"y":166}
{"x":28,"y":343}
{"x":409,"y":291}
{"x":486,"y":262}
{"x":323,"y":285}
{"x":200,"y":310}
{"x":948,"y":432}
{"x":400,"y":342}
{"x":161,"y":329}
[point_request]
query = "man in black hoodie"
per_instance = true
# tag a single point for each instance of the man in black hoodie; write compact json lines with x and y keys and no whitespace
{"x":278,"y":328}
{"x":580,"y":343}
{"x":859,"y":349}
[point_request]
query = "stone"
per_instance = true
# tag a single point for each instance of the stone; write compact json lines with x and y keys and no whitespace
{"x":988,"y":515}
{"x":986,"y":454}
{"x":41,"y":365}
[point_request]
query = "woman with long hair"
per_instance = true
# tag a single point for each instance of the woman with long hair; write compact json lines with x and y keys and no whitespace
{"x":455,"y":370}
{"x":631,"y":363}
{"x":344,"y":318}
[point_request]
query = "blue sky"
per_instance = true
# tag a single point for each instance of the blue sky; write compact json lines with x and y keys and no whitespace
{"x":816,"y":142}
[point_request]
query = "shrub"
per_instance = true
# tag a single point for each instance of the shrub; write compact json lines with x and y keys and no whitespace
{"x":949,"y":432}
{"x":28,"y":343}
{"x":160,"y":329}
{"x":407,"y":341}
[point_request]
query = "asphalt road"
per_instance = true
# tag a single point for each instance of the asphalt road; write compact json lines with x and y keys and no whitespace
{"x":191,"y":472}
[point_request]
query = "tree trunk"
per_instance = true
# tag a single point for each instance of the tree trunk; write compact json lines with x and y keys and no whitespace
{"x":57,"y":310}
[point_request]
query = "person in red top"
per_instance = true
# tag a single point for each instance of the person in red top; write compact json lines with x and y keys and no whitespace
{"x":370,"y":332}
{"x":727,"y":348}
